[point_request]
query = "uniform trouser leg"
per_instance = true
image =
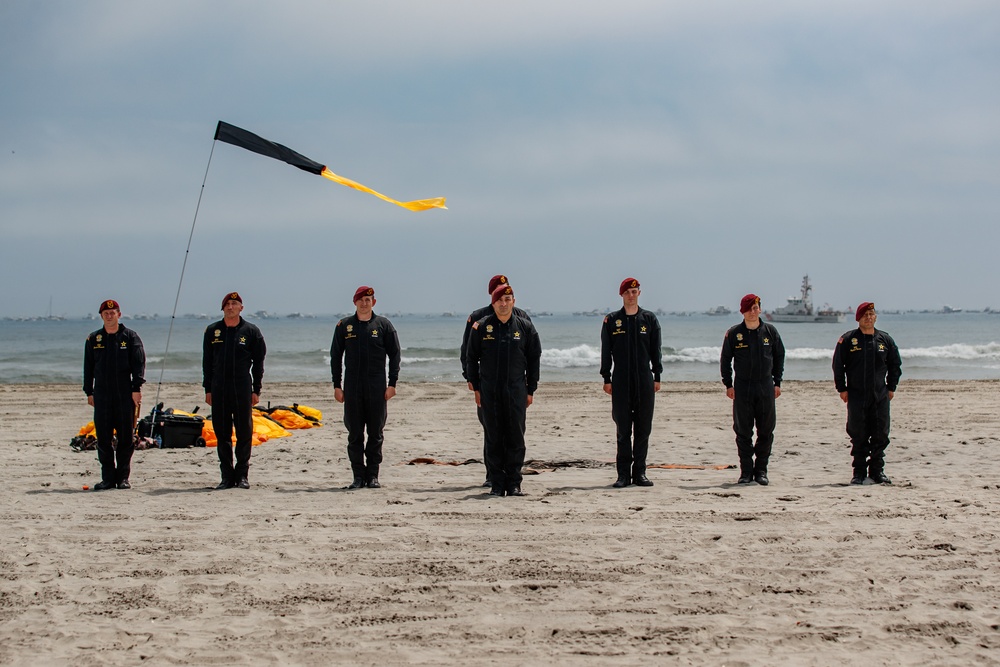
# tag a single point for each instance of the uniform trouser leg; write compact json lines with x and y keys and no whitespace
{"x":622,"y":413}
{"x":354,"y":422}
{"x":858,"y":432}
{"x":375,"y":414}
{"x":365,"y":412}
{"x":513,"y":428}
{"x":114,"y":416}
{"x":766,"y":418}
{"x":633,"y":425}
{"x":880,"y":437}
{"x":743,"y":415}
{"x":486,"y":442}
{"x":490,"y":409}
{"x":868,"y":428}
{"x":754,"y":405}
{"x":233,"y":410}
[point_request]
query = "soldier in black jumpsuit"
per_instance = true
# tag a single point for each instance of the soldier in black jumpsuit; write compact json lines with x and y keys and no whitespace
{"x":631,"y":345}
{"x":477,"y":315}
{"x":114,"y":364}
{"x":866,"y":370}
{"x":503,"y":366}
{"x":759,"y":357}
{"x":361,"y":345}
{"x":233,"y":354}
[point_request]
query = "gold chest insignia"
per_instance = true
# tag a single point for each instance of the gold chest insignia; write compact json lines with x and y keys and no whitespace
{"x":854,"y":341}
{"x":489,"y":328}
{"x":739,"y":337}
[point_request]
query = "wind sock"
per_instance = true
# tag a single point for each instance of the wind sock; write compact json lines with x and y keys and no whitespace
{"x":250,"y":141}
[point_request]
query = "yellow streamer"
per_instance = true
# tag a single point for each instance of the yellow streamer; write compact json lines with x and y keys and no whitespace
{"x":417,"y":205}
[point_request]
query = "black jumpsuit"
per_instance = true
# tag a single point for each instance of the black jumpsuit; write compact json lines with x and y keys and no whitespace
{"x":631,"y":346}
{"x":358,"y":355}
{"x":113,"y":369}
{"x":759,"y":359}
{"x":867,"y":367}
{"x":503,"y":366}
{"x":233,"y":369}
{"x":463,"y":356}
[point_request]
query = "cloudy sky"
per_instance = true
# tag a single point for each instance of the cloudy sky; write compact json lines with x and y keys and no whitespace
{"x":710,"y":148}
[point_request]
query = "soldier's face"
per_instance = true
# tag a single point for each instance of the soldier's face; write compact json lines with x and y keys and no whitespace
{"x":232,"y":309}
{"x":504,"y":306}
{"x":110,"y":316}
{"x":364,"y":305}
{"x":752,"y":315}
{"x":867,"y":320}
{"x":630,"y":297}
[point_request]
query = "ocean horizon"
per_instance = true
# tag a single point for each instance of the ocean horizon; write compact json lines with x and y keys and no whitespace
{"x":933,"y":345}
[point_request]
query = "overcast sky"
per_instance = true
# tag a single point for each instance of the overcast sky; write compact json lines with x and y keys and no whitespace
{"x":708,"y":148}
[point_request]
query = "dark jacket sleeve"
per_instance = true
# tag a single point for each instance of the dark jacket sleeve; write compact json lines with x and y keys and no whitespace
{"x":656,"y":348}
{"x":606,"y":358}
{"x":473,"y":358}
{"x":726,"y":361}
{"x":894,"y":364}
{"x":465,"y":346}
{"x":207,"y":365}
{"x":840,"y":365}
{"x":534,"y":357}
{"x":337,"y":355}
{"x":393,"y":352}
{"x":777,"y":358}
{"x":137,"y":362}
{"x":257,"y":370}
{"x":88,"y":368}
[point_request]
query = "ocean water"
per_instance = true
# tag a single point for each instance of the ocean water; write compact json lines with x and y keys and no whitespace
{"x":933,"y":346}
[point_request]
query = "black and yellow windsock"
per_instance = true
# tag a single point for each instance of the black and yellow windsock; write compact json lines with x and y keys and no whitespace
{"x":236,"y":136}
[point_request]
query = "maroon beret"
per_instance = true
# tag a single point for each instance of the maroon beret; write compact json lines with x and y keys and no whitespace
{"x":747,"y":302}
{"x":232,"y":296}
{"x":110,"y":304}
{"x":862,"y":309}
{"x":495,"y":281}
{"x":364,"y":290}
{"x":628,"y":283}
{"x":500,"y":291}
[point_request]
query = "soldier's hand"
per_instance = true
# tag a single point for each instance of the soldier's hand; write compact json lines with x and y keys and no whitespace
{"x":338,"y":395}
{"x":607,"y":388}
{"x":90,"y":401}
{"x":777,"y":392}
{"x":137,"y":398}
{"x":389,"y":392}
{"x":843,"y":396}
{"x":471,"y":388}
{"x":254,"y":399}
{"x":656,"y":386}
{"x":479,"y":403}
{"x":208,"y":398}
{"x":891,"y":394}
{"x":731,"y":393}
{"x":530,"y":400}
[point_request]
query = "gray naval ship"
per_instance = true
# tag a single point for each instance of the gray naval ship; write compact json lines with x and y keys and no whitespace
{"x":800,"y":309}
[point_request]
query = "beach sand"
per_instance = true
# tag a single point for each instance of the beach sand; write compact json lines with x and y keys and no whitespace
{"x":429,"y":570}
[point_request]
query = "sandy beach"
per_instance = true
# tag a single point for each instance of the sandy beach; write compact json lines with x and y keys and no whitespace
{"x":429,"y":570}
